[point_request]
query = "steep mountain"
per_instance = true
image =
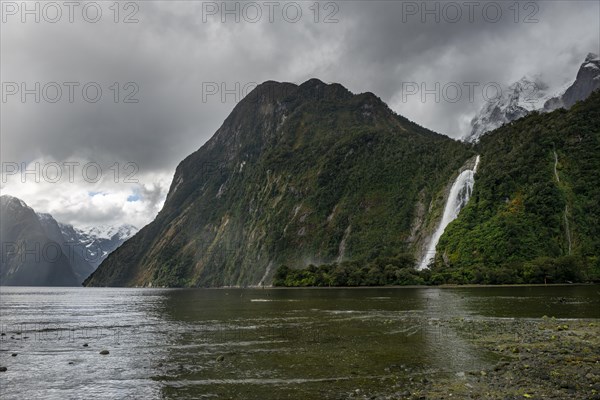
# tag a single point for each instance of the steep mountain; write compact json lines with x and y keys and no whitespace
{"x":295,"y":175}
{"x":532,"y":94}
{"x":587,"y":81}
{"x":535,"y":209}
{"x":30,"y":257}
{"x":78,"y":259}
{"x":35,"y":247}
{"x":97,"y":242}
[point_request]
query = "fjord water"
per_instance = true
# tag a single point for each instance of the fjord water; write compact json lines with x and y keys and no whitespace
{"x":252,"y":343}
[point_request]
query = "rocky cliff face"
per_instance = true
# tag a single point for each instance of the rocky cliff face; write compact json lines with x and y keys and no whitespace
{"x":295,"y":175}
{"x":77,"y":258}
{"x":31,"y":256}
{"x":587,"y":81}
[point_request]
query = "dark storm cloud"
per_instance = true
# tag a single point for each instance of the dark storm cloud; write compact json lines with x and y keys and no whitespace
{"x":171,"y":54}
{"x":480,"y":51}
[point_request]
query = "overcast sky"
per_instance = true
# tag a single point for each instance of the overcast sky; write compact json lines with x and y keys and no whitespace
{"x":171,"y":60}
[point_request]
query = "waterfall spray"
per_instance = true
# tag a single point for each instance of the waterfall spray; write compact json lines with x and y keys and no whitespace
{"x":459,"y":196}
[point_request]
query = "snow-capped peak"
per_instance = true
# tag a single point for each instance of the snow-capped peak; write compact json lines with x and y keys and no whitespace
{"x":515,"y":101}
{"x":108,"y":231}
{"x":528,"y":92}
{"x":98,"y":241}
{"x":532,"y":94}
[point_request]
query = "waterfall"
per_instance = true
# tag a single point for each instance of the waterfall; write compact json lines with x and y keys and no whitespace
{"x":342,"y":248}
{"x":459,"y":196}
{"x":567,"y":230}
{"x":556,"y":165}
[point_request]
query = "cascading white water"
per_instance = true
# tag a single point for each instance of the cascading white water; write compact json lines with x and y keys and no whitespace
{"x":459,"y":196}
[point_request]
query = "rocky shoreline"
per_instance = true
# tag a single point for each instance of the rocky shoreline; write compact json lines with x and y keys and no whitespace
{"x":542,"y":358}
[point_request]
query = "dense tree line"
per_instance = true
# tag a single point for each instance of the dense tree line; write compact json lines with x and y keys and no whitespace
{"x":399,"y":271}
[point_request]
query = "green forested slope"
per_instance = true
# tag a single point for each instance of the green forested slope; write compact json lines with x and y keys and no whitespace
{"x":296,"y":175}
{"x":526,"y":223}
{"x":534,"y":216}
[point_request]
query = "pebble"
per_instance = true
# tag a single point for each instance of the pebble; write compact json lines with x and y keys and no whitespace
{"x":3,"y":369}
{"x":14,"y":354}
{"x":500,"y":365}
{"x":104,"y":352}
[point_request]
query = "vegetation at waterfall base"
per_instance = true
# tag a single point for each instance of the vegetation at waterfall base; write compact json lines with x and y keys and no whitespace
{"x":397,"y":272}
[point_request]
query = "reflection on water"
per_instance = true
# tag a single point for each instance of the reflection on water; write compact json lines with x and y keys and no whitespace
{"x":260,"y":343}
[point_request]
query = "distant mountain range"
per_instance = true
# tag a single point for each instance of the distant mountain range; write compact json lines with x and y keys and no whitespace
{"x":97,"y":242}
{"x":532,"y":94}
{"x":37,"y":250}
